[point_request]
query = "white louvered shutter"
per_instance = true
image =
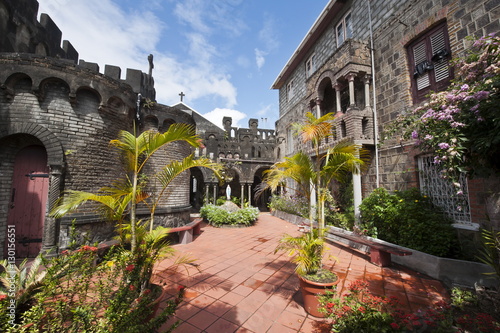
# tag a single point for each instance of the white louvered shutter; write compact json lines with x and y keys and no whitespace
{"x":419,"y":54}
{"x":441,"y":68}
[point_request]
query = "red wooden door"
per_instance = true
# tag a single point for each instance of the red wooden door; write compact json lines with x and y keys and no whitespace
{"x":28,"y":198}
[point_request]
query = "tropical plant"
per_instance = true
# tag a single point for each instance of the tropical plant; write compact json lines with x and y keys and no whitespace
{"x":306,"y":251}
{"x":316,"y":173}
{"x":490,"y":253}
{"x":114,"y":295}
{"x":119,"y":201}
{"x":21,"y":283}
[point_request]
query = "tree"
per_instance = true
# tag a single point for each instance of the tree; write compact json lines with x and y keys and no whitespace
{"x":314,"y":174}
{"x":119,"y":201}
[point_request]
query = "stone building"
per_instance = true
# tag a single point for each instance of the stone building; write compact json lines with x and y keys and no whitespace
{"x":57,"y":116}
{"x":334,"y":70}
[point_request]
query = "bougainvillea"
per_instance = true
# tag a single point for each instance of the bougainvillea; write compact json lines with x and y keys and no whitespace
{"x":461,"y":125}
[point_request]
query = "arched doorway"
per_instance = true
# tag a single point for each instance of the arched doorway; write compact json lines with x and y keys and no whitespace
{"x":263,"y":199}
{"x":196,"y":189}
{"x":28,"y":200}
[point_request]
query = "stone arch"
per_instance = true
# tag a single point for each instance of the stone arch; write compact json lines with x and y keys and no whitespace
{"x":166,"y":124}
{"x":52,"y":89}
{"x":117,"y":104}
{"x":18,"y":83}
{"x":88,"y":101}
{"x":55,"y":152}
{"x":322,"y":80}
{"x":150,"y":123}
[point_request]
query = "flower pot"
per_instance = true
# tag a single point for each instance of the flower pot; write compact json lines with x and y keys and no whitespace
{"x":310,"y":291}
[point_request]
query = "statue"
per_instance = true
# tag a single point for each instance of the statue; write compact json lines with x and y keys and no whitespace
{"x":228,"y":192}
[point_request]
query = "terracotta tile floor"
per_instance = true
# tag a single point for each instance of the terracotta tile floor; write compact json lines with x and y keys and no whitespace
{"x":240,"y":285}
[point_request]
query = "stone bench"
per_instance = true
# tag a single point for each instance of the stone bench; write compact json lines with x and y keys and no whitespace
{"x":380,"y":254}
{"x":186,"y":232}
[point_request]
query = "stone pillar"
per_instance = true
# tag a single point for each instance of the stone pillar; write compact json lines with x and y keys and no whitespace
{"x":249,"y":194}
{"x":352,"y":100}
{"x":338,"y":105}
{"x":366,"y":80}
{"x":50,"y":225}
{"x":207,"y":193}
{"x":242,"y":194}
{"x":356,"y":184}
{"x":318,"y":107}
{"x":215,"y":193}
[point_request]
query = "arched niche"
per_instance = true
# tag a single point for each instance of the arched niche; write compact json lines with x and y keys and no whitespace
{"x":87,"y":101}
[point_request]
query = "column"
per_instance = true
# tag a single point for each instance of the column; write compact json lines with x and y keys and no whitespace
{"x":215,"y":193}
{"x":350,"y":78}
{"x":366,"y":80}
{"x":242,"y":194}
{"x":356,"y":184}
{"x":50,"y":225}
{"x":207,"y":193}
{"x":338,"y":89}
{"x":249,"y":194}
{"x":318,"y":107}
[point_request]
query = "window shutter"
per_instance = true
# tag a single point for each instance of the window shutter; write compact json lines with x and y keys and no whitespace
{"x":441,"y":67}
{"x":419,"y":54}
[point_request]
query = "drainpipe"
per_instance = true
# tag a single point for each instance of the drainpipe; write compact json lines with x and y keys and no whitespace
{"x":375,"y":121}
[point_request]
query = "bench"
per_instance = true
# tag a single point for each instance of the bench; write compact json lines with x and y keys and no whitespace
{"x":186,"y":232}
{"x":380,"y":254}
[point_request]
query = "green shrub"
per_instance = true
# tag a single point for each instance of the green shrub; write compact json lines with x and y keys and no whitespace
{"x":218,"y":216}
{"x":296,"y":205}
{"x":408,"y":219}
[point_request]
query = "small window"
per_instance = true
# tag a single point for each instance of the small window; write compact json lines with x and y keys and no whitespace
{"x":344,"y":29}
{"x":429,"y":57}
{"x":290,"y":90}
{"x":311,"y":65}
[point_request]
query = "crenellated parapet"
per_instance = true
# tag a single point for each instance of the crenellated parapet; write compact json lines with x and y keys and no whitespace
{"x":22,"y":33}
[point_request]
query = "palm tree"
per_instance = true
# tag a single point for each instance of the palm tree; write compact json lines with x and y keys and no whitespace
{"x":119,"y":201}
{"x":319,"y":171}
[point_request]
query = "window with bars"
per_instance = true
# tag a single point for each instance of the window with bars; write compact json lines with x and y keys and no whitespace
{"x":429,"y":57}
{"x":443,"y":194}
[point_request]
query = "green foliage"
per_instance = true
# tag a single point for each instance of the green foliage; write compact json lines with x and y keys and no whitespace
{"x":461,"y":125}
{"x":296,"y":205}
{"x":218,"y":216}
{"x":490,"y":253}
{"x":408,"y":219}
{"x":306,"y":251}
{"x":21,"y":283}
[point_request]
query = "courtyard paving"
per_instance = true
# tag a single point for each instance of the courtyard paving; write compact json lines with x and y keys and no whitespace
{"x":238,"y":283}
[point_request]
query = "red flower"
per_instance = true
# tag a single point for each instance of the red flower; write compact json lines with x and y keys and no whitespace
{"x":395,"y":326}
{"x":131,"y":287}
{"x":330,"y":305}
{"x":181,"y":287}
{"x":130,"y":268}
{"x":3,"y":297}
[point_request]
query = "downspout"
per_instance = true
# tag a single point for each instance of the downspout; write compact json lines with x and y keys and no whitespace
{"x":375,"y":121}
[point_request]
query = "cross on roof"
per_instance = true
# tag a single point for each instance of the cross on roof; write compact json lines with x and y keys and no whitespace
{"x":182,"y":95}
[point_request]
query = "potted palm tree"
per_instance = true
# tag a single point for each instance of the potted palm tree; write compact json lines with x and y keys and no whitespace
{"x":313,"y":174}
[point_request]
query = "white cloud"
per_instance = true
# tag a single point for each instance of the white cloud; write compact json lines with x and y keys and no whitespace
{"x":216,"y":115}
{"x":260,"y":58}
{"x":104,"y":33}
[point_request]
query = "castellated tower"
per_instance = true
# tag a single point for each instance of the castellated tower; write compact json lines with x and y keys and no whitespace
{"x":57,"y":116}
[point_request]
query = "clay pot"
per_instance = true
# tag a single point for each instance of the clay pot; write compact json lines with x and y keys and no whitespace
{"x":310,"y":290}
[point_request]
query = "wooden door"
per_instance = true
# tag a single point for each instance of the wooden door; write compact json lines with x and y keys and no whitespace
{"x":28,"y":199}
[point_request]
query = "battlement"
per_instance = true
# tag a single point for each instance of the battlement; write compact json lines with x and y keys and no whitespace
{"x":21,"y":32}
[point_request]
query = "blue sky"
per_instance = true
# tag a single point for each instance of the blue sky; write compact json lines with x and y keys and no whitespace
{"x":223,"y":54}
